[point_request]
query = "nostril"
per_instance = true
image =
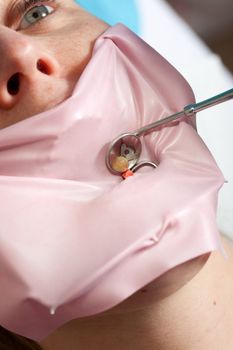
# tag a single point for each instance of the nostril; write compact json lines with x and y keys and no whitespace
{"x":43,"y":67}
{"x":13,"y":84}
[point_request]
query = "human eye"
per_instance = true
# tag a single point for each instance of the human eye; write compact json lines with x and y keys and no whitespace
{"x":33,"y":12}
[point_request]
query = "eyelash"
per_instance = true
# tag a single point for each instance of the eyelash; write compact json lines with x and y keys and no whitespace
{"x":25,"y":5}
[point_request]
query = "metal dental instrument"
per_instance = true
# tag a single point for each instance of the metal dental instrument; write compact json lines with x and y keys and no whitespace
{"x":124,"y":151}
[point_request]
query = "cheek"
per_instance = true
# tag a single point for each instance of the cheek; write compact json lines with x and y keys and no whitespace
{"x":71,"y":55}
{"x":73,"y":50}
{"x":72,"y":38}
{"x":72,"y":60}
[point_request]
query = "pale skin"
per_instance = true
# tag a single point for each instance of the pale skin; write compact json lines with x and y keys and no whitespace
{"x":49,"y":56}
{"x":187,"y":308}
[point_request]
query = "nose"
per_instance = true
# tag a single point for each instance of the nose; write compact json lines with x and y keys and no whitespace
{"x":22,"y":64}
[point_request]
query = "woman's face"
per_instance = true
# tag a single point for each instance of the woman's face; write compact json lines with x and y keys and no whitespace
{"x":44,"y":47}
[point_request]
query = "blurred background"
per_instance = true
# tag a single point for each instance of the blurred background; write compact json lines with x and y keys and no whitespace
{"x":212,"y":20}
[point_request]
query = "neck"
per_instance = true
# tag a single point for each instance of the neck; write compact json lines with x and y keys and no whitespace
{"x":198,"y":315}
